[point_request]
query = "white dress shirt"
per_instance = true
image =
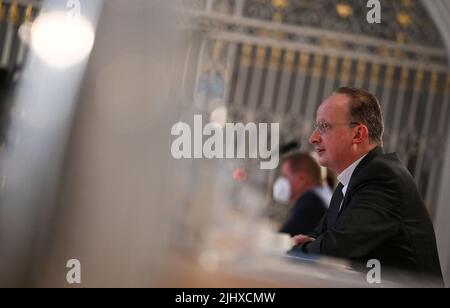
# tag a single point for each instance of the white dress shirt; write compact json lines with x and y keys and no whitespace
{"x":346,"y":175}
{"x":325,"y":193}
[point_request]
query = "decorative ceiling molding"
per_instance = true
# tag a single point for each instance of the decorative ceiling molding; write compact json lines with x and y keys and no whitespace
{"x":35,"y":3}
{"x":405,"y":21}
{"x":320,"y":41}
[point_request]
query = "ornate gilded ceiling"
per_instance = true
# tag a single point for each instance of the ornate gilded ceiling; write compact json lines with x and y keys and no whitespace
{"x":406,"y":35}
{"x":403,"y":21}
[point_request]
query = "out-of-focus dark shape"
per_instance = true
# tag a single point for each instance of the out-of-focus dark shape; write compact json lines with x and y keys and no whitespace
{"x":5,"y":86}
{"x":290,"y":146}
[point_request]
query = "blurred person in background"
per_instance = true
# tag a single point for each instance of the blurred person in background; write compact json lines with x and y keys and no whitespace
{"x":376,"y":211}
{"x":300,"y":185}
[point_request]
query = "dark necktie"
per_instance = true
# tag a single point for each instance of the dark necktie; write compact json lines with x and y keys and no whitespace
{"x":335,"y":205}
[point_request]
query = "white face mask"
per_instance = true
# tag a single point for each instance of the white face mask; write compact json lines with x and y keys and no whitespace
{"x":282,"y":190}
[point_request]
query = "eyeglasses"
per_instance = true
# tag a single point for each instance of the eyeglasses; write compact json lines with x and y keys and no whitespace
{"x":324,"y":127}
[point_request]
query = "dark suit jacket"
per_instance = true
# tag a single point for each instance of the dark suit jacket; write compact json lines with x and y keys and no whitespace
{"x":306,"y":214}
{"x":383,"y":217}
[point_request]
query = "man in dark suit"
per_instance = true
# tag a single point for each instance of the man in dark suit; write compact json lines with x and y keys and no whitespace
{"x":302,"y":183}
{"x":376,"y":212}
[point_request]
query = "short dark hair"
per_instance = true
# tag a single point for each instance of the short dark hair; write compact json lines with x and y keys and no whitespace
{"x":304,"y":162}
{"x":365,"y":109}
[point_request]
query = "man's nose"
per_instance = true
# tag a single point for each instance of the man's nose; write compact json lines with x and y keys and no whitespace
{"x":315,"y":137}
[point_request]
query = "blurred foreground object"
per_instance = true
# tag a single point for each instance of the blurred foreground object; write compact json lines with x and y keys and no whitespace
{"x":84,"y":181}
{"x":40,"y":119}
{"x":117,"y":192}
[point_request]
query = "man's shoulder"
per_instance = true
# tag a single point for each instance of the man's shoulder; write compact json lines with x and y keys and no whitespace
{"x":310,"y":198}
{"x":385,"y":165}
{"x":310,"y":194}
{"x":384,"y":169}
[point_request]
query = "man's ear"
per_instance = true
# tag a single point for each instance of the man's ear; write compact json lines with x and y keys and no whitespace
{"x":361,"y":134}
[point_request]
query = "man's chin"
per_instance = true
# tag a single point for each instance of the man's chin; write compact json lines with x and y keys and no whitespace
{"x":322,"y":161}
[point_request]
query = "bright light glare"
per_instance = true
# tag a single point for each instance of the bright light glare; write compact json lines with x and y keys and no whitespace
{"x":62,"y":41}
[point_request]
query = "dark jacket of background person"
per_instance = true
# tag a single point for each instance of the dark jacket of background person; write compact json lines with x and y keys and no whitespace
{"x":306,"y":214}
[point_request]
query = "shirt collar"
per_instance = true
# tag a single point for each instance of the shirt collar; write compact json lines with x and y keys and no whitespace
{"x":346,"y":175}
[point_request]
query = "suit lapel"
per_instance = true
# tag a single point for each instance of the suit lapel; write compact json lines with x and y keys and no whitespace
{"x":369,"y":157}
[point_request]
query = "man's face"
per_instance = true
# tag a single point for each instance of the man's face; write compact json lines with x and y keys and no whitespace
{"x":333,"y":142}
